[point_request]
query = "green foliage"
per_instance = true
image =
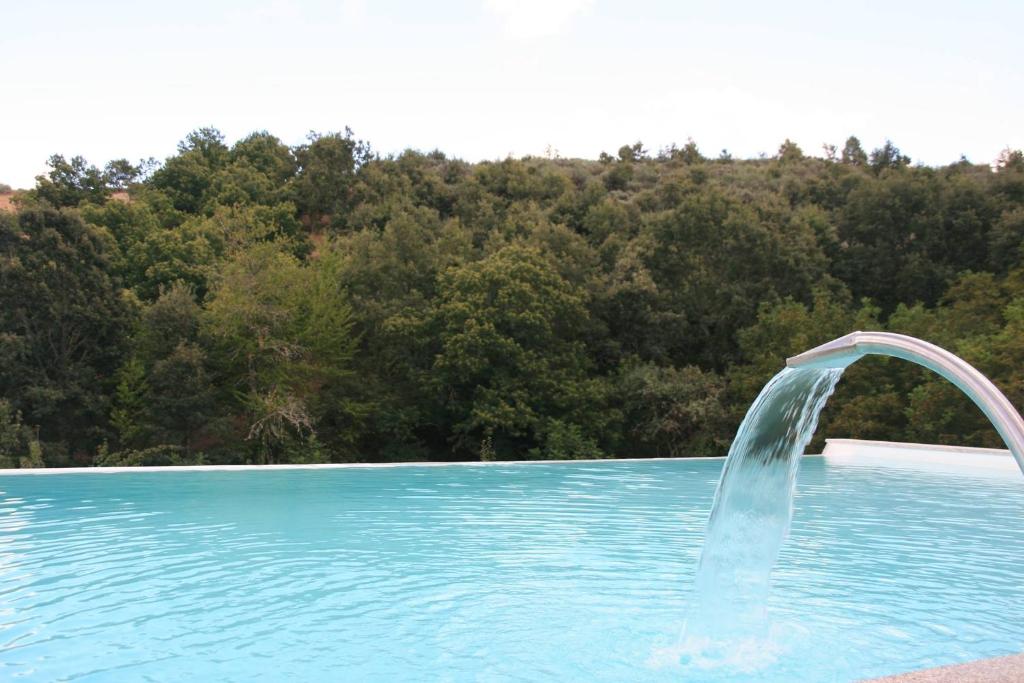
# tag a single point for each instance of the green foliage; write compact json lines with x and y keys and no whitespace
{"x":19,"y":448}
{"x":120,"y":174}
{"x":186,"y":179}
{"x":672,"y":412}
{"x":70,"y":183}
{"x":853,"y":154}
{"x":563,"y":441}
{"x":511,"y":357}
{"x":181,"y":395}
{"x":327,"y":166}
{"x":63,"y":325}
{"x":257,"y":302}
{"x":268,"y":155}
{"x":130,"y":396}
{"x":689,"y":153}
{"x":711,"y":259}
{"x":899,"y":244}
{"x":154,"y":456}
{"x":391,"y":277}
{"x":790,"y":152}
{"x":887,"y":156}
{"x":11,"y":435}
{"x":282,"y":335}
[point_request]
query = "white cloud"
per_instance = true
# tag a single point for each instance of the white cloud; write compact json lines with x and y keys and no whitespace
{"x":529,"y":19}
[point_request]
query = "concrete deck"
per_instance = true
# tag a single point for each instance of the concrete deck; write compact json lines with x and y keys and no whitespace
{"x":999,"y":670}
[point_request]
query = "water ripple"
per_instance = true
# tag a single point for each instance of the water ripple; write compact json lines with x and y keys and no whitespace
{"x":507,"y":573}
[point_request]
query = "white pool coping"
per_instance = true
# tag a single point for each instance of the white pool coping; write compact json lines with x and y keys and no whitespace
{"x":964,"y":460}
{"x":838,"y":452}
{"x":841,"y":452}
{"x":325,"y":466}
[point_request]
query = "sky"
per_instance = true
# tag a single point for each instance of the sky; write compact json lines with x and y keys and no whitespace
{"x":484,"y":79}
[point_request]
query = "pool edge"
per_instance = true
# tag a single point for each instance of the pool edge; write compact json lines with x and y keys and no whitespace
{"x":326,"y":466}
{"x":836,"y":451}
{"x":1008,"y":669}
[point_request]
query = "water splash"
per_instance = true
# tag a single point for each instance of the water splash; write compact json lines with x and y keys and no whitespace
{"x":753,"y":504}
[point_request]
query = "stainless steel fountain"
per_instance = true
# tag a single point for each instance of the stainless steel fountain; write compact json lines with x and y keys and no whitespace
{"x":753,"y":504}
{"x":840,"y":353}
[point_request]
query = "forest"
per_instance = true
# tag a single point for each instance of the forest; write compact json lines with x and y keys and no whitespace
{"x":266,"y":303}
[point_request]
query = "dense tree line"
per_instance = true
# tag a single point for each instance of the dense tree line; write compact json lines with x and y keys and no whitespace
{"x":265,"y":303}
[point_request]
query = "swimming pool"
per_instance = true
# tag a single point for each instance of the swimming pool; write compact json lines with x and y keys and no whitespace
{"x":517,"y":572}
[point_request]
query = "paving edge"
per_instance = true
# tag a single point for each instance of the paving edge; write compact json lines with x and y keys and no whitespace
{"x":997,"y":670}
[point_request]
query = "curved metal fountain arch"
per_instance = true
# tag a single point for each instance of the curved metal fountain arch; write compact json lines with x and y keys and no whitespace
{"x":840,"y":353}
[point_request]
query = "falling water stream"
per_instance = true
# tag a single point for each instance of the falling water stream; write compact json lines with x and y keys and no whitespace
{"x":753,"y":504}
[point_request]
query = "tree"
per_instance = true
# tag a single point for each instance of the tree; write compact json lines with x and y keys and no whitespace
{"x":1006,"y":240}
{"x":63,"y":325}
{"x":186,"y":178}
{"x":282,"y":334}
{"x":634,"y":152}
{"x":166,"y":393}
{"x":853,"y":154}
{"x":257,"y":170}
{"x":327,"y":164}
{"x":391,"y":276}
{"x":690,"y":153}
{"x":18,"y":446}
{"x":888,"y":156}
{"x":512,"y":364}
{"x":268,"y":155}
{"x":163,"y":257}
{"x":790,"y":152}
{"x":207,"y":144}
{"x":885,"y":229}
{"x":619,"y":175}
{"x":260,"y":303}
{"x":119,"y":174}
{"x":181,"y":396}
{"x":69,"y":183}
{"x":1010,"y":160}
{"x":712,"y":259}
{"x":672,"y":412}
{"x":128,"y":414}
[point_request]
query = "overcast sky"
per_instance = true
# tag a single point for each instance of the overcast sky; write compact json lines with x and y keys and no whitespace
{"x":481,"y":79}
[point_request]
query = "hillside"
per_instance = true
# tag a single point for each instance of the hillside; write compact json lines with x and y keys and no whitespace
{"x":265,"y":303}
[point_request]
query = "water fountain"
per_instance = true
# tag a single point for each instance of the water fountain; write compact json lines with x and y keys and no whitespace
{"x":751,"y":513}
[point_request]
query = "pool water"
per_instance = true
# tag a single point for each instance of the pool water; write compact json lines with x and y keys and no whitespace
{"x":531,"y":572}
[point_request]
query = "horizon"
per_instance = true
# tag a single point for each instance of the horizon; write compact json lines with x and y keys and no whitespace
{"x":550,"y":154}
{"x":488,"y":79}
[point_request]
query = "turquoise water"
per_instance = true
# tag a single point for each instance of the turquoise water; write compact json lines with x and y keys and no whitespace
{"x":538,"y":572}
